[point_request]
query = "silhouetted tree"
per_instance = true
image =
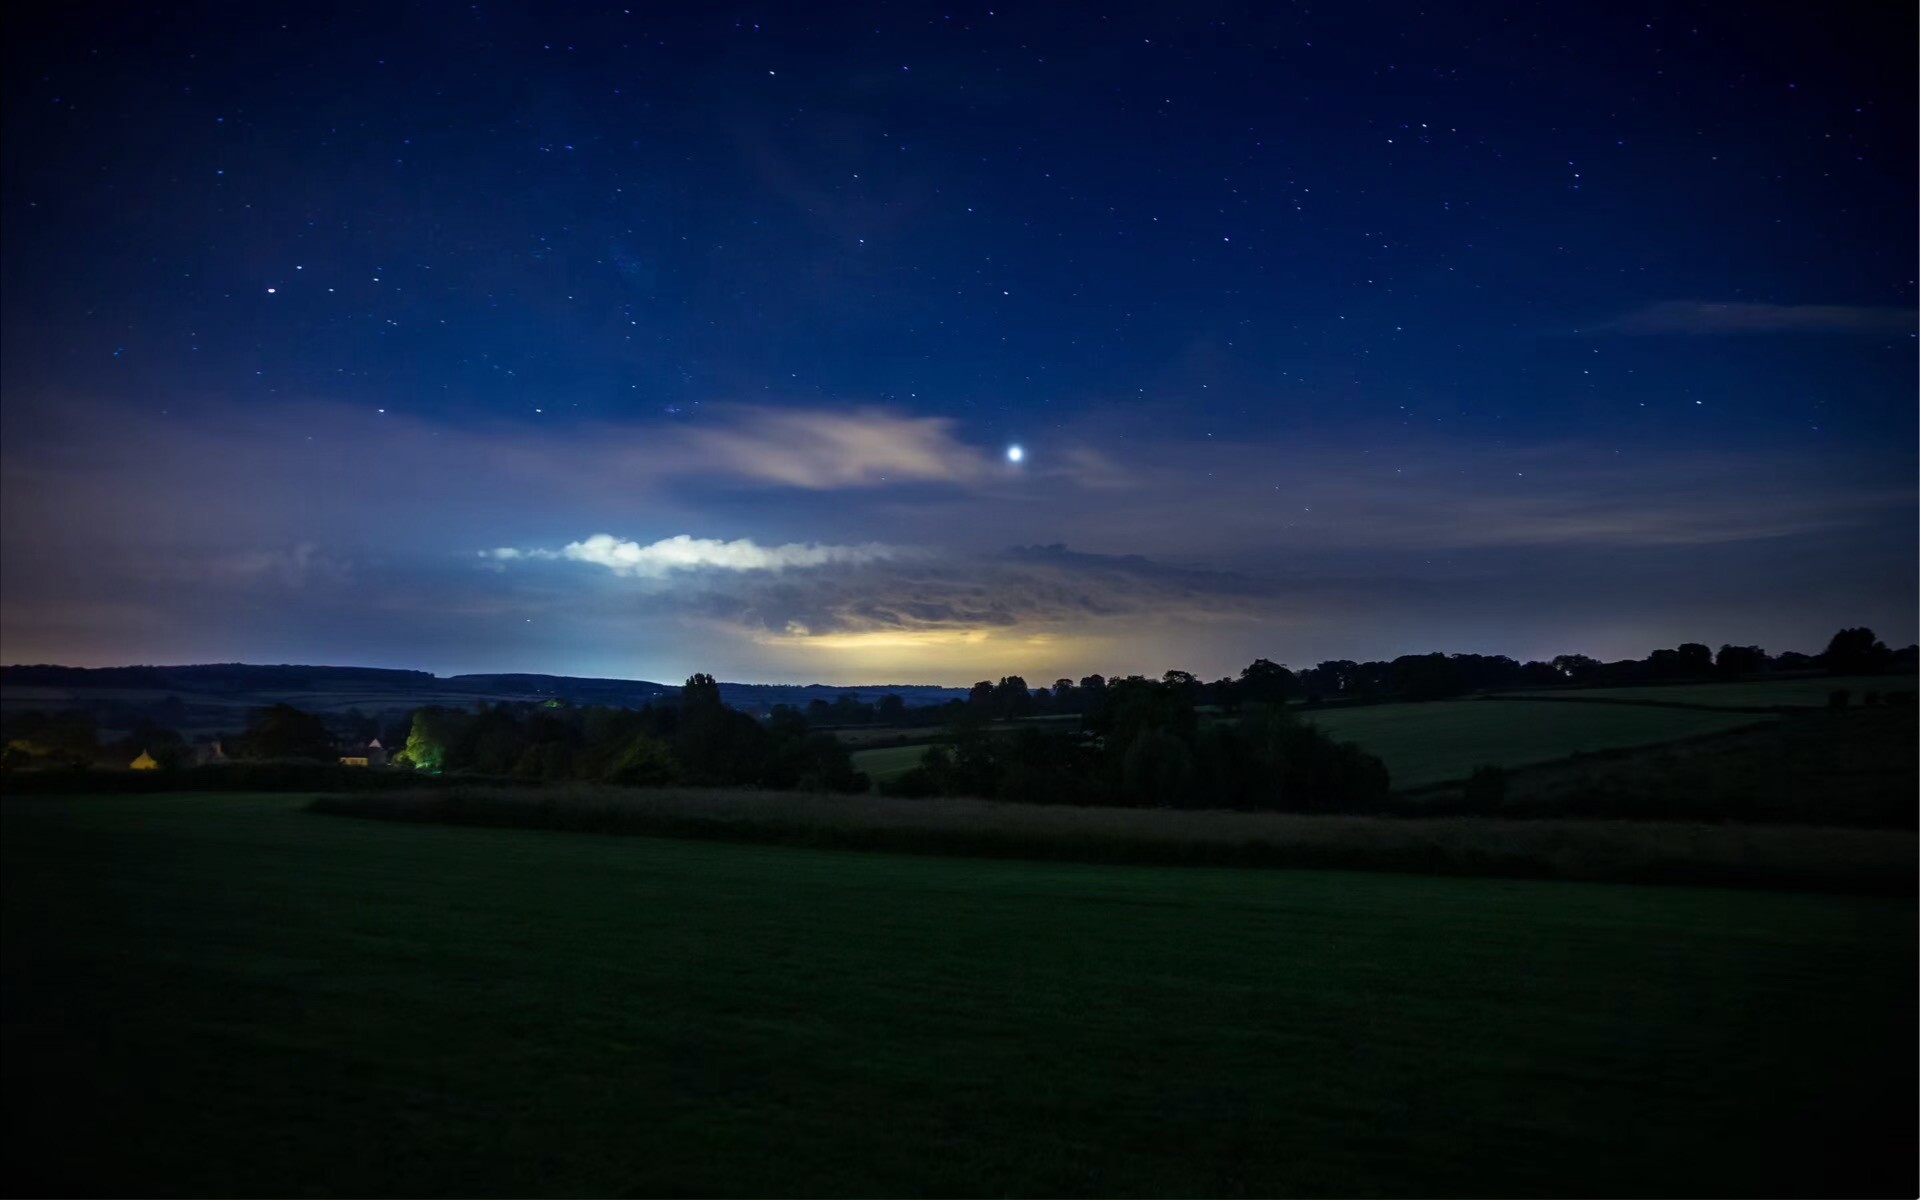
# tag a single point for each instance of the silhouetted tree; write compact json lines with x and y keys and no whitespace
{"x":847,"y":709}
{"x":283,"y":731}
{"x":1855,"y":651}
{"x":1010,"y":698}
{"x":493,"y":743}
{"x":1740,"y":660}
{"x":1334,"y":677}
{"x":1184,"y":683}
{"x":1266,"y":682}
{"x":1093,"y":689}
{"x":1695,"y":658}
{"x":699,"y":692}
{"x":1426,"y":676}
{"x":1576,"y":668}
{"x":1538,"y":674}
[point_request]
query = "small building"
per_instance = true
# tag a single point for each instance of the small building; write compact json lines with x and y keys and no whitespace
{"x":146,"y":762}
{"x":373,"y":754}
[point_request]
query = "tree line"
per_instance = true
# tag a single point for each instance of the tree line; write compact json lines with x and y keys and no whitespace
{"x":1135,"y":738}
{"x":698,"y":741}
{"x":1409,"y":677}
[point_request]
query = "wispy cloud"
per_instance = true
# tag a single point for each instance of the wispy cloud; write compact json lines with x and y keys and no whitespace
{"x":685,"y":553}
{"x":820,"y":449}
{"x":1693,"y":316}
{"x":1031,"y":589}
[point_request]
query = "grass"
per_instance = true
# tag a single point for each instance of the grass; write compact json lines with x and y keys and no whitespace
{"x":888,"y":763}
{"x":1425,"y":744}
{"x":1809,"y":692}
{"x":226,"y":996}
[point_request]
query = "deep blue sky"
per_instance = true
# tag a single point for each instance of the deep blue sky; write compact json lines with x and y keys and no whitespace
{"x":1367,"y":328}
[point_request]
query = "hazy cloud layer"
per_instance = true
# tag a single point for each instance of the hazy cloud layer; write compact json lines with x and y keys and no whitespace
{"x":1029,"y":588}
{"x":226,"y":534}
{"x":1692,"y":316}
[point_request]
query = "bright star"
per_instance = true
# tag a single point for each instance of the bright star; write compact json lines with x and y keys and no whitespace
{"x":1015,"y":454}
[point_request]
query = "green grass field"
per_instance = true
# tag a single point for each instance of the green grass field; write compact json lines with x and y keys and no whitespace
{"x":1811,"y":692}
{"x":1431,"y":743}
{"x":888,"y":763}
{"x":226,"y":995}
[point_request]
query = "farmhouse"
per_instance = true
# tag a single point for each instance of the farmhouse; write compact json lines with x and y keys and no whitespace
{"x":373,"y":754}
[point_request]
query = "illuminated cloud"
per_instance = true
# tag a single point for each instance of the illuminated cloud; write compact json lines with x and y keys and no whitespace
{"x":1692,"y":316}
{"x":684,"y":553}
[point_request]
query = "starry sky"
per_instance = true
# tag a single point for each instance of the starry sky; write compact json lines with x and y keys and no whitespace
{"x":633,"y":341}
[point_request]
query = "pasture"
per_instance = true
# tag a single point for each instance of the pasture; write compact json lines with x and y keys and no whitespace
{"x":229,"y":996}
{"x":888,"y":763}
{"x":1810,"y":692}
{"x":1432,"y":743}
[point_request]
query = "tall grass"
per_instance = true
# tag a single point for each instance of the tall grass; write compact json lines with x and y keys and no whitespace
{"x":1839,"y":860}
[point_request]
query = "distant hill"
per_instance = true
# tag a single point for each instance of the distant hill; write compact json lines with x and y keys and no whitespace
{"x":239,"y":676}
{"x":214,"y":696}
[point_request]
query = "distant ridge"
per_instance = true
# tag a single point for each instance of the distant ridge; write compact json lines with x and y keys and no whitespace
{"x":382,"y":688}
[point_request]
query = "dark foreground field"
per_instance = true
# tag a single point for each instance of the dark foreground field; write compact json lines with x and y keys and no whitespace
{"x":226,"y":995}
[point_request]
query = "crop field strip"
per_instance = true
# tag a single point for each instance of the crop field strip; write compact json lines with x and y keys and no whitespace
{"x":238,"y":997}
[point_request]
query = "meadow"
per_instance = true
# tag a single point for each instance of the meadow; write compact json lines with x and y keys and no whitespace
{"x":229,"y":996}
{"x":1435,"y":742}
{"x":1809,"y":692}
{"x":889,"y":762}
{"x":1424,"y":744}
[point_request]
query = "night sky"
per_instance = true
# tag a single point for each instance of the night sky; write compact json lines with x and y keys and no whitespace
{"x":638,"y":341}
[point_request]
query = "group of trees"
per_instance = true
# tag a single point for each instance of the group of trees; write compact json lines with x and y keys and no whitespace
{"x":699,"y":741}
{"x":1144,"y":745}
